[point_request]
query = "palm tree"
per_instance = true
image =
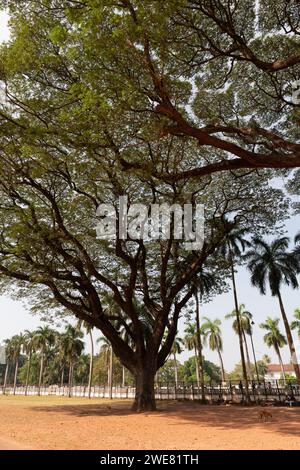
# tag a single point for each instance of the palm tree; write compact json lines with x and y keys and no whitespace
{"x":232,"y":250}
{"x":212,"y":332}
{"x":9,"y":358}
{"x":190,"y":342}
{"x":28,"y":349}
{"x":16,"y":345}
{"x":89,"y":329}
{"x":176,"y":349}
{"x":71,"y":347}
{"x":274,"y":339}
{"x":272,"y":263}
{"x":43,"y":338}
{"x":245,"y":322}
{"x":203,"y":283}
{"x":295,"y":325}
{"x":107,"y":350}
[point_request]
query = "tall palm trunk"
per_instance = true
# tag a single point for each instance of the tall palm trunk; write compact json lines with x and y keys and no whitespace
{"x":281,"y":365}
{"x":238,"y":320}
{"x":290,"y":339}
{"x":111,"y":367}
{"x":16,"y":375}
{"x":197,"y":365}
{"x":70,"y":384}
{"x":28,"y":372}
{"x":123,"y":376}
{"x":62,"y":376}
{"x":91,"y":364}
{"x":250,"y":375}
{"x":41,"y":372}
{"x":175,"y":369}
{"x":5,"y":377}
{"x":199,"y":346}
{"x":222,"y":366}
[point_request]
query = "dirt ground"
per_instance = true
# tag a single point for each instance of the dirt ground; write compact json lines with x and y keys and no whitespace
{"x":74,"y":423}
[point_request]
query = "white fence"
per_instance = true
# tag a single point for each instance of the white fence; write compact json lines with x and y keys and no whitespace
{"x":183,"y":391}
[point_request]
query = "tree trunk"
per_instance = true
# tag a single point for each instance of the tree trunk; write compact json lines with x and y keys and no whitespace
{"x":16,"y":375}
{"x":123,"y":376}
{"x":290,"y":339}
{"x":110,"y":375}
{"x":144,"y":391}
{"x":62,"y":376}
{"x":91,"y":364}
{"x":70,"y":379}
{"x":197,"y":365}
{"x":27,"y":374}
{"x":247,"y":356}
{"x":175,"y":369}
{"x":239,"y":328}
{"x":41,"y":373}
{"x":222,"y":366}
{"x":281,"y":366}
{"x":199,"y":347}
{"x":5,"y":377}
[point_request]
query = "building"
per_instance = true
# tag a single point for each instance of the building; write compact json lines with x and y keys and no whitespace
{"x":274,"y":371}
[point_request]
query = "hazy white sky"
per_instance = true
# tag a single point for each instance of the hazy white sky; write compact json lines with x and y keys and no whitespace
{"x":15,"y":317}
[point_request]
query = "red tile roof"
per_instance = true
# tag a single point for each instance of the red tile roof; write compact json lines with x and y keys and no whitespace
{"x":277,"y":368}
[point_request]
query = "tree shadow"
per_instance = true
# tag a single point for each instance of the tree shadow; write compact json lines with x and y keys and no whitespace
{"x":284,"y":421}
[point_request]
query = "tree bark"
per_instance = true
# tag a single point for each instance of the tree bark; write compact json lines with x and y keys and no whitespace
{"x":70,"y":379}
{"x":247,"y":356}
{"x":5,"y":377}
{"x":199,"y":346}
{"x":175,"y":369}
{"x":16,"y":375}
{"x":27,"y":374}
{"x":281,"y":366}
{"x":290,"y":339}
{"x":123,"y":376}
{"x":222,"y":366}
{"x":110,"y":374}
{"x":41,"y":373}
{"x":91,"y":364}
{"x":239,"y":329}
{"x":144,"y":391}
{"x":197,"y":365}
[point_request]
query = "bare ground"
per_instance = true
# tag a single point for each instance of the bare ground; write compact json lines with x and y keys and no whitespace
{"x":74,"y":423}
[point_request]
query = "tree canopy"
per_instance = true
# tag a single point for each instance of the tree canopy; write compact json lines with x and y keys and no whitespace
{"x":174,"y":101}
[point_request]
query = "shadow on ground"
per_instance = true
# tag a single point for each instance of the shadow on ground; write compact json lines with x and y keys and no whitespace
{"x":285,"y":421}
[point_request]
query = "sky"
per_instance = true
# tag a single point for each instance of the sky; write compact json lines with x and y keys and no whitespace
{"x":16,"y":317}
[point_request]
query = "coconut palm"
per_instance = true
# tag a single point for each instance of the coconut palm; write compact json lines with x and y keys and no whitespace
{"x":190,"y":342}
{"x":44,"y":337}
{"x":232,"y":250}
{"x":71,"y":347}
{"x":245,"y":322}
{"x":9,"y":351}
{"x":28,"y":341}
{"x":274,"y":264}
{"x":274,"y":339}
{"x":107,"y":350}
{"x":203,"y":284}
{"x":212,"y":334}
{"x":16,"y":345}
{"x":89,"y":329}
{"x":295,"y":325}
{"x":176,"y":349}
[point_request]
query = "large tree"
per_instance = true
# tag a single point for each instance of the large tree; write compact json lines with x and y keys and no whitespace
{"x":101,"y":99}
